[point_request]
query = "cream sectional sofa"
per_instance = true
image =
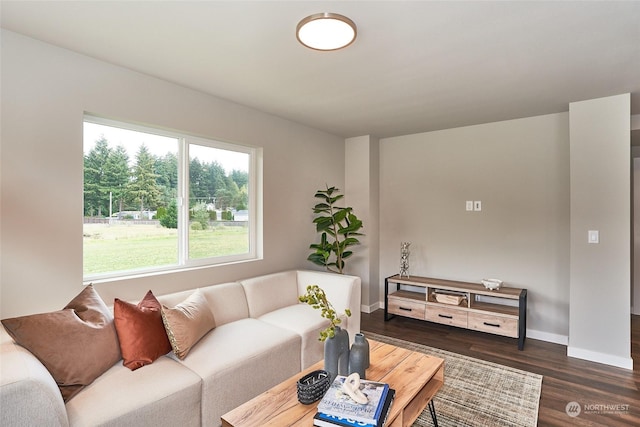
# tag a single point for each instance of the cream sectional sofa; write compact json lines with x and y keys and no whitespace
{"x":262,"y":336}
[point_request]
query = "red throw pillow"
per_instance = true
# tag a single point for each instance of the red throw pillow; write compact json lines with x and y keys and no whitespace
{"x":140,"y":330}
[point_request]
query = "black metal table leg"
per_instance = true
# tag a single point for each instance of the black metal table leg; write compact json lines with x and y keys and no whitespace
{"x":432,"y":410}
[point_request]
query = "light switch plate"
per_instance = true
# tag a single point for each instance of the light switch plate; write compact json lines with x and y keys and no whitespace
{"x":469,"y":205}
{"x":594,"y":236}
{"x":477,"y":205}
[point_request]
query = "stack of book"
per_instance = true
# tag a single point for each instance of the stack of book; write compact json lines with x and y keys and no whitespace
{"x":337,"y":409}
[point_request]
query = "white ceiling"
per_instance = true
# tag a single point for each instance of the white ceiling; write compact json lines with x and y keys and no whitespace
{"x":416,"y":65}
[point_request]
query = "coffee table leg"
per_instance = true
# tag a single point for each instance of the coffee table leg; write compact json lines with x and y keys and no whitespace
{"x":432,"y":410}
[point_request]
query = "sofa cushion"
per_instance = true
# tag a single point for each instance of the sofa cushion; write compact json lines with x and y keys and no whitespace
{"x":140,"y":330}
{"x":342,"y":290}
{"x":227,"y":301}
{"x":240,"y":360}
{"x":260,"y":292}
{"x":187,"y":323}
{"x":164,"y":393}
{"x":76,"y":344}
{"x":305,"y":321}
{"x":29,"y":396}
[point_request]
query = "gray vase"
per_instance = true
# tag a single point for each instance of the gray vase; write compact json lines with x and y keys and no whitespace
{"x":336,"y":353}
{"x":359,"y":355}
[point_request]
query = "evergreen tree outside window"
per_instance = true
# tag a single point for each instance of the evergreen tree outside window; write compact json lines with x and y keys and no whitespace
{"x":157,"y":200}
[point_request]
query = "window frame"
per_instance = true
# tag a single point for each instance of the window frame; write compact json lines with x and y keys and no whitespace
{"x":254,"y":203}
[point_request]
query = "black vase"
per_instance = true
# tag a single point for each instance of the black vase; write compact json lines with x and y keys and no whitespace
{"x":336,"y":353}
{"x":359,"y":355}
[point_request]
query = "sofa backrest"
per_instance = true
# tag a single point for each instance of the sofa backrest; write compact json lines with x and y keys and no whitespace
{"x":227,"y":301}
{"x":343,"y":291}
{"x":270,"y":292}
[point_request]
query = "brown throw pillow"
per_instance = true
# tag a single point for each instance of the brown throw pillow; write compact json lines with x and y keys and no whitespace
{"x":187,"y":322}
{"x":140,"y":330}
{"x":76,"y":344}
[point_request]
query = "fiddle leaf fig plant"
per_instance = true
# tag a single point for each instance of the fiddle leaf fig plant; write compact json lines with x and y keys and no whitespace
{"x":317,"y":299}
{"x":338,"y":227}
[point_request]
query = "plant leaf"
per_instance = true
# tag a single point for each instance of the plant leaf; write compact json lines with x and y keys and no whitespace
{"x":351,"y":228}
{"x":332,"y":200}
{"x":350,"y":241}
{"x":340,"y":215}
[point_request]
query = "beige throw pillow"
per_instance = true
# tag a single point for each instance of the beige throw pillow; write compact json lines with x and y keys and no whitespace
{"x":187,"y":323}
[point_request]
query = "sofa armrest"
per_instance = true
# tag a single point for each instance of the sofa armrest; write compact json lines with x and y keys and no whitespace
{"x":29,"y":395}
{"x":343,"y":291}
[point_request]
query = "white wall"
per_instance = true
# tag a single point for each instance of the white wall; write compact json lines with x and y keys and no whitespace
{"x":362,"y":189}
{"x":635,"y":153}
{"x":46,"y":90}
{"x":519,"y":170}
{"x":600,"y":200}
{"x":635,"y":289}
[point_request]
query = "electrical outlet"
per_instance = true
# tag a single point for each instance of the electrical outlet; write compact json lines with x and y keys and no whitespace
{"x":477,"y":205}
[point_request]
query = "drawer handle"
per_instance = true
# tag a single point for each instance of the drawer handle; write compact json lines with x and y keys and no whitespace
{"x":445,"y":316}
{"x":495,"y":325}
{"x":405,"y":309}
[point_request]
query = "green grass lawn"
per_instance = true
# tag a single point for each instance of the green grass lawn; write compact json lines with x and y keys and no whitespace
{"x":129,"y":246}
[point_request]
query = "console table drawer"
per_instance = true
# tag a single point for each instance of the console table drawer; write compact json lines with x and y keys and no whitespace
{"x":407,"y":308}
{"x":448,"y":316}
{"x":495,"y":324}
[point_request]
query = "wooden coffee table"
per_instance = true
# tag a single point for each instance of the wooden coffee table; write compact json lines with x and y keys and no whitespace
{"x":416,"y":377}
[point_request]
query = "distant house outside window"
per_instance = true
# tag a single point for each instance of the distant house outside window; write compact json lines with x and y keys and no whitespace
{"x":156,"y":200}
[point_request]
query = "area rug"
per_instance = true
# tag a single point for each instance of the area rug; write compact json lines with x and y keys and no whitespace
{"x":478,"y":393}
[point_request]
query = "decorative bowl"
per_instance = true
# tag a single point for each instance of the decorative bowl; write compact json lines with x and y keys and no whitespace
{"x":492,"y":284}
{"x":313,"y":386}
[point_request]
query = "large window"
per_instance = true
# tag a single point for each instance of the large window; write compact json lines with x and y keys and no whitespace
{"x":157,"y":200}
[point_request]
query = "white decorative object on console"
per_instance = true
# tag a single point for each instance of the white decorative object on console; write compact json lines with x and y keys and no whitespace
{"x":492,"y":284}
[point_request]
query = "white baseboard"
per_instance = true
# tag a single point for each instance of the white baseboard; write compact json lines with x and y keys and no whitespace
{"x":594,"y":356}
{"x":548,"y":337}
{"x":371,"y":308}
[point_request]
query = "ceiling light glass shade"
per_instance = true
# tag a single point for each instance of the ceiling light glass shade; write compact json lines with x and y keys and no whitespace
{"x":326,"y":31}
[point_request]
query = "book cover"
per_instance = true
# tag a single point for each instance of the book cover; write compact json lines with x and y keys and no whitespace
{"x":325,"y":420}
{"x":338,"y":403}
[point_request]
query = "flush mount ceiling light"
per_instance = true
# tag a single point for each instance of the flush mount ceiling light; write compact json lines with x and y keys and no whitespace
{"x":326,"y":31}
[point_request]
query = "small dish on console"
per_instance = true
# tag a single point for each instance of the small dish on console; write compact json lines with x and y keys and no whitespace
{"x":492,"y":284}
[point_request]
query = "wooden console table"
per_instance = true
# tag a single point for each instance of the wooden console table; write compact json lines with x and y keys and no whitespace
{"x":501,"y":312}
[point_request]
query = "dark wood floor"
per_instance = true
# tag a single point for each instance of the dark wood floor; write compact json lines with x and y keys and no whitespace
{"x":596,"y":387}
